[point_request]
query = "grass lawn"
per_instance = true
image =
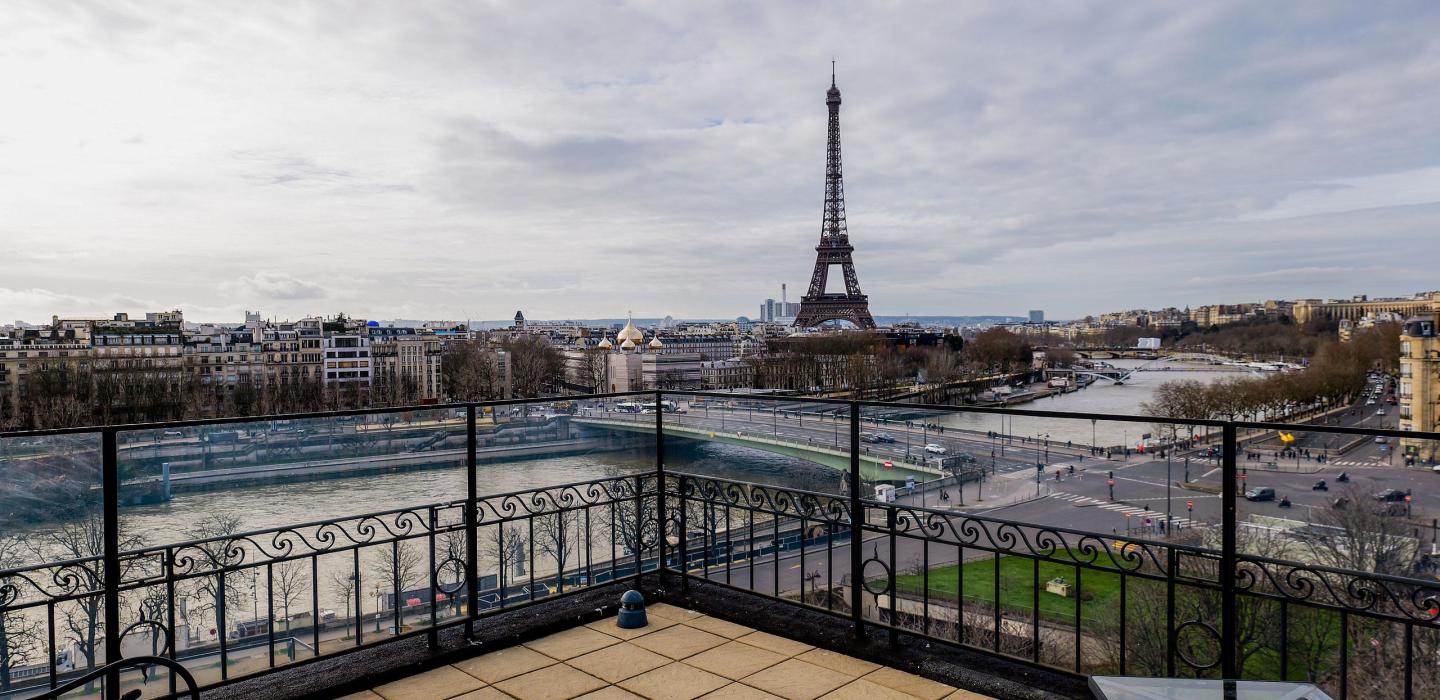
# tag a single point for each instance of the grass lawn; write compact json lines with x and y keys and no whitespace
{"x":1100,"y":589}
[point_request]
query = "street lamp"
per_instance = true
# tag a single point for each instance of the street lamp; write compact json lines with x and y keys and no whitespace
{"x":378,"y":608}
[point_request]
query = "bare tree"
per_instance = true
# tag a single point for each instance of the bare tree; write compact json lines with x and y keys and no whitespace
{"x":505,"y":545}
{"x":290,"y":580}
{"x":557,"y":536}
{"x":20,"y":636}
{"x":470,"y":370}
{"x":399,"y":567}
{"x":214,"y":594}
{"x":1365,"y":536}
{"x":342,"y":586}
{"x":84,"y":538}
{"x":535,"y":365}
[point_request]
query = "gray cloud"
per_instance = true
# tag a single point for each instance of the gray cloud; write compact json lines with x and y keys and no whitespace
{"x":273,"y":286}
{"x":453,"y":158}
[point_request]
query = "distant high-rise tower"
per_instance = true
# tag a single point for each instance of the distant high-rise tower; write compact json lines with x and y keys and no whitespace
{"x":817,"y":307}
{"x":1037,"y":316}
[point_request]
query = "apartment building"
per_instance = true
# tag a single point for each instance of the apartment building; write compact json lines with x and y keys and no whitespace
{"x":1419,"y":389}
{"x":347,"y":360}
{"x":407,"y":360}
{"x":1359,"y":306}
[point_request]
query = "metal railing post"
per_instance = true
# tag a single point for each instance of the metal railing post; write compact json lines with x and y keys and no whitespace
{"x":660,"y":514}
{"x":1230,"y":632}
{"x":472,"y":527}
{"x":681,"y":544}
{"x":857,"y":518}
{"x":110,"y":497}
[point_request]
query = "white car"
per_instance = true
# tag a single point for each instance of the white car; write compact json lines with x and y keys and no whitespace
{"x":1370,"y":402}
{"x":935,"y":449}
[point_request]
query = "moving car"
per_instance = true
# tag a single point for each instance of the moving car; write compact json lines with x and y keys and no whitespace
{"x":1390,"y":495}
{"x":884,"y":437}
{"x":935,"y":449}
{"x":1260,"y":493}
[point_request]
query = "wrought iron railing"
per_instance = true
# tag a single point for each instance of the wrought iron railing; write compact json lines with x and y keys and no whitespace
{"x":1132,"y":605}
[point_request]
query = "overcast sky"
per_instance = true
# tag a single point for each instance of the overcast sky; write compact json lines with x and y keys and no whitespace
{"x":467,"y":159}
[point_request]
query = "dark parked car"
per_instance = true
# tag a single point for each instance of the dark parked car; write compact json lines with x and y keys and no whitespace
{"x":1260,"y":493}
{"x":1390,"y":495}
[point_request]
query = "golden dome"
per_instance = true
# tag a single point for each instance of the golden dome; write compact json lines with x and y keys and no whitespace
{"x":604,"y":343}
{"x":627,"y":344}
{"x":630,"y":332}
{"x":655,"y":343}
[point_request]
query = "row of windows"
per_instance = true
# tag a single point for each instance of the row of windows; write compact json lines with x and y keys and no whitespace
{"x":138,"y":339}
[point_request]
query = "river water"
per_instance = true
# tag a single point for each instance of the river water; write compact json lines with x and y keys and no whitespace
{"x":1100,"y":397}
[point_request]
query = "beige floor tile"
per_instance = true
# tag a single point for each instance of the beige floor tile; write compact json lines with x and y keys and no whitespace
{"x":675,"y":681}
{"x":441,"y":683}
{"x":715,"y":625}
{"x":486,"y":693}
{"x":861,"y":689}
{"x":740,"y":691}
{"x":654,"y":623}
{"x":779,"y":645}
{"x":610,"y":693}
{"x":667,"y":610}
{"x":572,"y":643}
{"x":967,"y":695}
{"x":362,"y":695}
{"x":797,"y":680}
{"x":558,"y":682}
{"x":847,"y":665}
{"x":910,"y":684}
{"x":506,"y":663}
{"x":679,"y":641}
{"x":616,"y":663}
{"x":734,"y":660}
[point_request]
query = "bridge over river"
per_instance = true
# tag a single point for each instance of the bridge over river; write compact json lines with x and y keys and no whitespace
{"x":819,"y":451}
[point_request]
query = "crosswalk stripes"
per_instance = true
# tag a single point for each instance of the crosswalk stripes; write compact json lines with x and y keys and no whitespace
{"x":1133,"y":511}
{"x":1355,"y":463}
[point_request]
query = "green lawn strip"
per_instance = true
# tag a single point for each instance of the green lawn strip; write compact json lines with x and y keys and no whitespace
{"x":1100,"y":589}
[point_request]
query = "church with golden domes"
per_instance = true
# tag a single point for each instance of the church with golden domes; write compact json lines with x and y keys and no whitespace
{"x":630,"y":363}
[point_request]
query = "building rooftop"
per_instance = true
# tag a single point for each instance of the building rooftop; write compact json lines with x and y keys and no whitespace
{"x":680,"y":655}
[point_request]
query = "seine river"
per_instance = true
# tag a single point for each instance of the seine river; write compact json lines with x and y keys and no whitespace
{"x":1100,"y":397}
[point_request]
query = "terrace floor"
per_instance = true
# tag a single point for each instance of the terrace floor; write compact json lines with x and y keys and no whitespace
{"x":680,"y":655}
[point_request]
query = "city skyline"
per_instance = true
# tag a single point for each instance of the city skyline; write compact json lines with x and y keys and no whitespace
{"x":459,"y":162}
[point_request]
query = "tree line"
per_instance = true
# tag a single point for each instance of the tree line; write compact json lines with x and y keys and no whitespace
{"x":1335,"y":375}
{"x":72,"y":394}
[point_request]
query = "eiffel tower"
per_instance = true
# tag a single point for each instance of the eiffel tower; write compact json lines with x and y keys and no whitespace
{"x":817,"y":307}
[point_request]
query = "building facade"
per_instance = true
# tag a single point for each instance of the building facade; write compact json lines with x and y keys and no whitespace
{"x":1360,"y":306}
{"x":1419,"y":389}
{"x":407,"y":362}
{"x":347,"y":360}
